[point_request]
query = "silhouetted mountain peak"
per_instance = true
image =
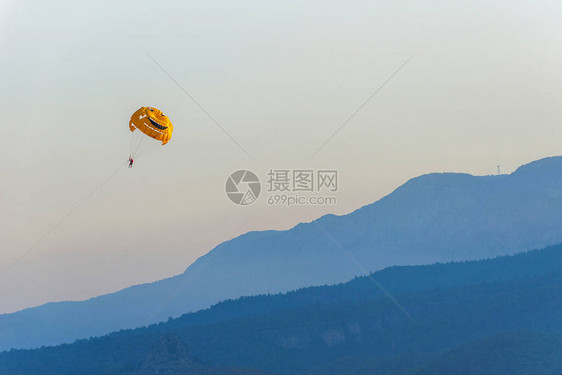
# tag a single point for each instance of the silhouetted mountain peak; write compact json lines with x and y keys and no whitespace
{"x":547,"y":172}
{"x":437,"y":217}
{"x":435,"y":183}
{"x":552,"y":164}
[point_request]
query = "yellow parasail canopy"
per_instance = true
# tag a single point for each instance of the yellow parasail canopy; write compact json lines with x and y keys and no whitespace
{"x":152,"y":122}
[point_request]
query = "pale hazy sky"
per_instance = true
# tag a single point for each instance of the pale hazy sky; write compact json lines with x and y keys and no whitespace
{"x":482,"y":89}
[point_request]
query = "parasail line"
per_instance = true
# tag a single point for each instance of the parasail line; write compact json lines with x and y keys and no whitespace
{"x":60,"y":221}
{"x":203,"y":109}
{"x":205,"y":259}
{"x":362,"y":268}
{"x":360,"y":108}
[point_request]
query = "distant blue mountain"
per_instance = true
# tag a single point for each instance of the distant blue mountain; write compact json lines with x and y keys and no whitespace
{"x":498,"y":316}
{"x":438,"y":217}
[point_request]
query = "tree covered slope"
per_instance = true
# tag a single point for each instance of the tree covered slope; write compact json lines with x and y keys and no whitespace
{"x":454,"y":308}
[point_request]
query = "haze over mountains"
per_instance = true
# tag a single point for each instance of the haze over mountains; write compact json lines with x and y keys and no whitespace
{"x":431,"y":218}
{"x":498,"y":316}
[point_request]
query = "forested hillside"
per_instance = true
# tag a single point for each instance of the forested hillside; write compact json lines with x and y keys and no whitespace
{"x":457,"y":310}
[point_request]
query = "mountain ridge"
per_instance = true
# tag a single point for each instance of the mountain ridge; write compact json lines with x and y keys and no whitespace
{"x":452,"y":304}
{"x":437,"y":217}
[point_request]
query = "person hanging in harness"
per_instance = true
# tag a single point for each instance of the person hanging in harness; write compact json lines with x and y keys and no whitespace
{"x":131,"y":161}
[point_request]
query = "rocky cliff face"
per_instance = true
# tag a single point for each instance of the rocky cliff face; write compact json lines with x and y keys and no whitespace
{"x":170,"y":356}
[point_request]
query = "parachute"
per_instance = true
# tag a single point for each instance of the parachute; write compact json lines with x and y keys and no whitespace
{"x":149,"y":126}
